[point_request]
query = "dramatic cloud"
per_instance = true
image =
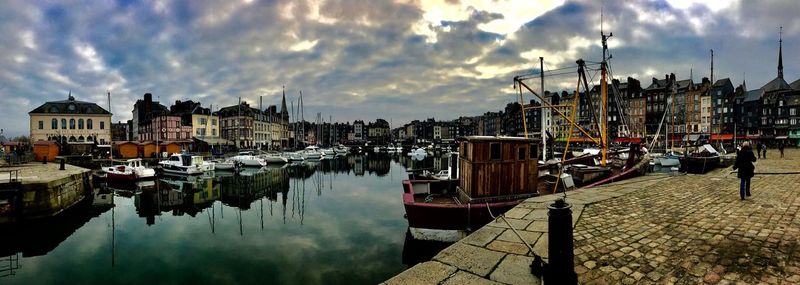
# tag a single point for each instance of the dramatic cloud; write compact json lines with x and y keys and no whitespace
{"x":399,"y":60}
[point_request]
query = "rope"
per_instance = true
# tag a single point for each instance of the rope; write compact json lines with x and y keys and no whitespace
{"x":512,"y":228}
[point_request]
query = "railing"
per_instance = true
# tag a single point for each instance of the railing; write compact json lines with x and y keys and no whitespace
{"x":14,"y":158}
{"x":9,"y":265}
{"x":13,"y":175}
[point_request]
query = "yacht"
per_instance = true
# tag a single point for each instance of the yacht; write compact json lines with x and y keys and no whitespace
{"x":183,"y":164}
{"x":247,"y":159}
{"x":274,"y":158}
{"x":312,"y":152}
{"x":294,"y":156}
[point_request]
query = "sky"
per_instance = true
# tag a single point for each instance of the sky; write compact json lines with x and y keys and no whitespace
{"x":398,"y":60}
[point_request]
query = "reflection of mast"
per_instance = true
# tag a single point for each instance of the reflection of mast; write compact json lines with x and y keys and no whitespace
{"x":211,"y":219}
{"x":113,"y":229}
{"x":262,"y":213}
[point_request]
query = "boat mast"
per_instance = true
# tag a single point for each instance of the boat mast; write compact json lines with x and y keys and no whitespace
{"x":111,"y":139}
{"x":542,"y":129}
{"x":604,"y":95}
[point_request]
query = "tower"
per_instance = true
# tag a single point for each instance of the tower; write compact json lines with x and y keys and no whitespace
{"x":284,"y":111}
{"x":780,"y":53}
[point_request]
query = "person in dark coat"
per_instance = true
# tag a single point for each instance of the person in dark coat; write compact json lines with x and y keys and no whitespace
{"x":764,"y":150}
{"x":745,"y":163}
{"x":780,"y":148}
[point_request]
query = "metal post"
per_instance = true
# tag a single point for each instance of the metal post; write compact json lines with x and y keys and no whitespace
{"x":560,"y":246}
{"x":61,"y":167}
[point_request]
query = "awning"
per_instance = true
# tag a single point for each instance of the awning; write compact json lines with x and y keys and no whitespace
{"x":628,"y":140}
{"x":215,"y":141}
{"x":721,"y":137}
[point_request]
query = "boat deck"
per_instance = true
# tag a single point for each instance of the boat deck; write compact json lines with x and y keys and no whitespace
{"x":436,"y":199}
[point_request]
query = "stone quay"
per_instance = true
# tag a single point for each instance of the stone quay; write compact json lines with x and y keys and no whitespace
{"x":653,"y":229}
{"x":36,"y":190}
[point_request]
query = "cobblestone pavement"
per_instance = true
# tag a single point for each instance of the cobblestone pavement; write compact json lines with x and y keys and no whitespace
{"x":656,"y":229}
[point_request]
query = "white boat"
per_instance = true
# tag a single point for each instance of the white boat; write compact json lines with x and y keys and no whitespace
{"x":442,"y":175}
{"x":312,"y":152}
{"x":294,"y":156}
{"x":328,"y":152}
{"x":183,"y":164}
{"x":130,"y":170}
{"x":341,"y":150}
{"x":247,"y":159}
{"x":225,"y":165}
{"x":274,"y":158}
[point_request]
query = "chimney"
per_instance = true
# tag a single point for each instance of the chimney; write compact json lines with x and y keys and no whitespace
{"x":148,"y":104}
{"x":672,"y":77}
{"x":655,"y":81}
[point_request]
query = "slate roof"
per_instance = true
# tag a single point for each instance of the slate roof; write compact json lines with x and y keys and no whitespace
{"x":70,"y":106}
{"x":660,"y":83}
{"x":776,"y":85}
{"x":753,"y":95}
{"x":683,"y":83}
{"x":795,"y":85}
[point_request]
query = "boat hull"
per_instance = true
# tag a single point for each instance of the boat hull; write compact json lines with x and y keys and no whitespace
{"x":699,"y":165}
{"x":456,"y":217}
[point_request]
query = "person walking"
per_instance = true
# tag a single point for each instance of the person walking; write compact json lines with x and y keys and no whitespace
{"x":745,"y":163}
{"x":780,"y":148}
{"x":764,"y":150}
{"x":758,"y":150}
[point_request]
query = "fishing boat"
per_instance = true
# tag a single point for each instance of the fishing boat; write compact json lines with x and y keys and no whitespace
{"x":669,"y":159}
{"x":129,"y":170}
{"x":447,"y":209}
{"x":703,"y":159}
{"x":247,"y":159}
{"x":183,"y":164}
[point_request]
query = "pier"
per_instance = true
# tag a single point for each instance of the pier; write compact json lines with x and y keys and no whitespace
{"x":654,"y":229}
{"x":36,"y":190}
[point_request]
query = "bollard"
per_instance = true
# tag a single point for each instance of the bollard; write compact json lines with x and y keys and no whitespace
{"x":62,"y":165}
{"x":561,"y":267}
{"x":44,"y":161}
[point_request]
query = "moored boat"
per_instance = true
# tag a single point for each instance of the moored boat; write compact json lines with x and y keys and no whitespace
{"x":704,"y":159}
{"x":130,"y":170}
{"x":183,"y":164}
{"x":446,"y":209}
{"x":247,"y":159}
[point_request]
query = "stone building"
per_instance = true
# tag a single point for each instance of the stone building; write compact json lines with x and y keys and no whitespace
{"x":70,"y":122}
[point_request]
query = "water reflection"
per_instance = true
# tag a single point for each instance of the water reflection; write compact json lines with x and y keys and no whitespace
{"x":336,"y":221}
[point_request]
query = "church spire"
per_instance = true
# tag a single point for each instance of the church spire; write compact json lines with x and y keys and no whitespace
{"x":780,"y":54}
{"x":284,"y":111}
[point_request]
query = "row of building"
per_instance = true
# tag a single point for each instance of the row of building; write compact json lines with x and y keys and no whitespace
{"x":677,"y":109}
{"x":76,"y":126}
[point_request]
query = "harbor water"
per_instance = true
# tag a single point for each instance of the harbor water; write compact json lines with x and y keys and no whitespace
{"x":336,"y":221}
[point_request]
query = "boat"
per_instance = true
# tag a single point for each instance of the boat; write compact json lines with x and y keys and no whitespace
{"x":442,"y":175}
{"x":669,"y":160}
{"x":274,"y":158}
{"x":445,"y":210}
{"x":312,"y":152}
{"x":225,"y":165}
{"x":129,"y":170}
{"x":704,"y":159}
{"x":328,"y":152}
{"x":183,"y":164}
{"x":247,"y":159}
{"x":340,"y":150}
{"x":294,"y":156}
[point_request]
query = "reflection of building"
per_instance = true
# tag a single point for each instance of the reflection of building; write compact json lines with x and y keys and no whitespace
{"x":70,"y":121}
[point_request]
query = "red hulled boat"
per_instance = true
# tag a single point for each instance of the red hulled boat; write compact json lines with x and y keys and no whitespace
{"x":496,"y":174}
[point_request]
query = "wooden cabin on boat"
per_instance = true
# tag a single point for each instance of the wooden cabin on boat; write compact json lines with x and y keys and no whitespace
{"x":497,"y":168}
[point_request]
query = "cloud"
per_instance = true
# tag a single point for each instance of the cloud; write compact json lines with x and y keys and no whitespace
{"x":399,"y":60}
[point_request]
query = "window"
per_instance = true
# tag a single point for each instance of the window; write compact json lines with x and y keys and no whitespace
{"x":63,"y":124}
{"x":102,"y":125}
{"x":214,"y":122}
{"x":71,"y":124}
{"x":494,"y":151}
{"x":793,"y":112}
{"x":53,"y":124}
{"x":80,"y":124}
{"x":521,"y":151}
{"x":89,"y":124}
{"x":41,"y":125}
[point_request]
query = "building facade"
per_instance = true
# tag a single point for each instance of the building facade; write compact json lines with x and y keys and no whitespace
{"x":70,"y":121}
